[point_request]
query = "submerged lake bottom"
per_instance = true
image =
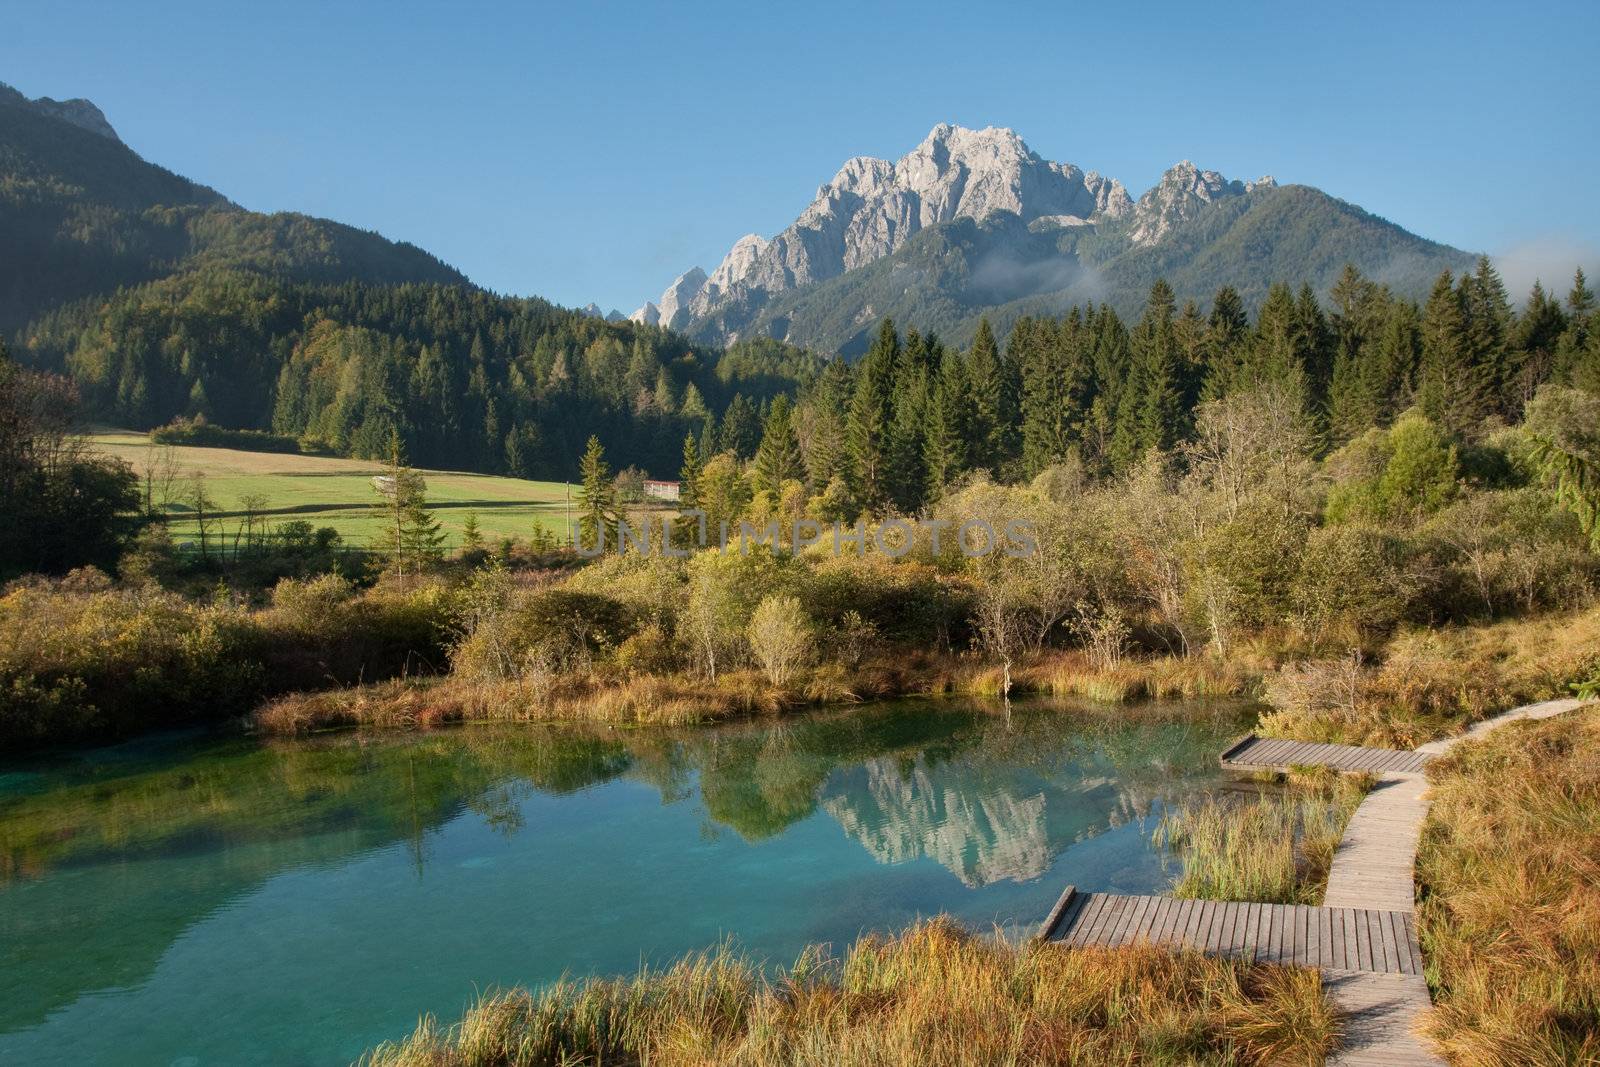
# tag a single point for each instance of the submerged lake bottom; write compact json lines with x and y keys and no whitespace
{"x":196,"y":901}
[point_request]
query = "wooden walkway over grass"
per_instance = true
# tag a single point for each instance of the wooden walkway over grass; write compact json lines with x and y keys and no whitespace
{"x":1271,"y":754}
{"x":1341,"y":939}
{"x":1363,"y":938}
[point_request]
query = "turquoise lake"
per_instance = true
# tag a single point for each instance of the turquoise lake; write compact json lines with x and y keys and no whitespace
{"x":194,"y":901}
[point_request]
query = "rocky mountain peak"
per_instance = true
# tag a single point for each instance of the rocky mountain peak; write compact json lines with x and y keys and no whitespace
{"x":873,"y":206}
{"x":1181,"y":194}
{"x":78,"y":111}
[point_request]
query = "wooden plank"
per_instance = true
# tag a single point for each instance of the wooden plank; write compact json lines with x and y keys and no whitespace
{"x":1236,"y":748}
{"x":1080,"y":925}
{"x":1057,"y":913}
{"x":1413,"y":945}
{"x":1303,"y":925}
{"x":1142,"y":922}
{"x":1217,"y":940}
{"x":1347,"y":939}
{"x":1397,"y":938}
{"x":1159,"y":919}
{"x":1194,"y":936}
{"x":1363,"y":941}
{"x":1269,"y":942}
{"x":1180,"y":920}
{"x":1139,"y":928}
{"x":1324,"y":937}
{"x":1254,"y":929}
{"x":1124,"y":924}
{"x":1391,"y":947}
{"x":1188,"y":919}
{"x":1169,"y":923}
{"x":1212,"y":927}
{"x":1225,"y":935}
{"x":1094,"y":915}
{"x":1314,"y":937}
{"x":1110,"y":915}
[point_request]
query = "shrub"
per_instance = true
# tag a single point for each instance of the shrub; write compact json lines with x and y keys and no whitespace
{"x":106,"y":663}
{"x":782,"y":638}
{"x":548,"y":630}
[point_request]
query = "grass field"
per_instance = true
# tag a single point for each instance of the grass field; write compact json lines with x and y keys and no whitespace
{"x":330,"y":491}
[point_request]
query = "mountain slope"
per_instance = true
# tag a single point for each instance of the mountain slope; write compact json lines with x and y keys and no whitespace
{"x":84,"y":214}
{"x":973,"y":223}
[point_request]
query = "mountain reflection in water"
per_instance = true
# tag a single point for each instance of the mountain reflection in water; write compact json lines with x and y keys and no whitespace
{"x":380,"y":862}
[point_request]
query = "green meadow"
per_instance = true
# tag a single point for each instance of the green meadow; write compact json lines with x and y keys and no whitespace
{"x":327,"y":490}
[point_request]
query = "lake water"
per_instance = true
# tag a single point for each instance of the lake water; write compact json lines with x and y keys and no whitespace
{"x":194,"y":901}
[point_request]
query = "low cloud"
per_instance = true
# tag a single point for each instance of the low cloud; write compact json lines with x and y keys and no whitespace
{"x":1006,"y":276}
{"x":1549,"y":260}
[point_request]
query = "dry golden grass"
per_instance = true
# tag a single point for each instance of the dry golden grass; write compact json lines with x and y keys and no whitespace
{"x":1070,"y":673}
{"x":933,"y":995}
{"x":1432,"y":683}
{"x":1275,"y":849}
{"x":646,"y":700}
{"x":1509,"y":871}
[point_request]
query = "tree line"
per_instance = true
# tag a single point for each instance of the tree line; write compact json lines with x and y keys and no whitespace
{"x":465,"y":379}
{"x":913,"y":417}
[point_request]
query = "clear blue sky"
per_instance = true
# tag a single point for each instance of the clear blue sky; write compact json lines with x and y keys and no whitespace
{"x":593,"y":151}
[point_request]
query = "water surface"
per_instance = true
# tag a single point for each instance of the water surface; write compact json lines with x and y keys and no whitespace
{"x":193,"y":901}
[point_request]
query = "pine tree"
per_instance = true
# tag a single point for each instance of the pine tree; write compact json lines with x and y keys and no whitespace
{"x":1488,"y":330}
{"x":993,"y":402}
{"x":597,"y":508}
{"x":905,"y":472}
{"x":1453,"y":389}
{"x":741,"y":427}
{"x":410,"y":536}
{"x":829,"y":403}
{"x":1580,"y":301}
{"x":1155,"y":349}
{"x":1227,"y":335}
{"x":471,"y":536}
{"x":688,"y":492}
{"x":871,"y":410}
{"x":944,"y":451}
{"x":778,"y":458}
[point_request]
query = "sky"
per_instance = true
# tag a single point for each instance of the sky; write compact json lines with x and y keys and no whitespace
{"x":592,"y":152}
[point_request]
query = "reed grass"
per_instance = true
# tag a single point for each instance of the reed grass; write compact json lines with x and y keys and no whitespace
{"x":932,"y":996}
{"x":1434,"y":682}
{"x":1276,"y":848}
{"x":1509,"y":874}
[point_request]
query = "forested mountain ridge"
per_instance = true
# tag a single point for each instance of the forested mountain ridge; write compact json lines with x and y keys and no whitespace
{"x":162,"y":299}
{"x":84,"y":214}
{"x":974,"y":224}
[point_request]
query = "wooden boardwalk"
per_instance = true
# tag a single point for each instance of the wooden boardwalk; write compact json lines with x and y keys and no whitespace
{"x":1271,"y":754}
{"x":1363,"y":938}
{"x":1374,"y":865}
{"x":1340,"y":939}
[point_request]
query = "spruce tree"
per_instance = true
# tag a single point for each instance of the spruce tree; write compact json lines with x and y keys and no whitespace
{"x":689,"y":474}
{"x":597,"y":501}
{"x":829,"y":404}
{"x":871,"y":410}
{"x":1155,"y":349}
{"x":688,"y":492}
{"x":988,"y":388}
{"x":778,"y":457}
{"x":1227,"y":336}
{"x":1454,"y":389}
{"x":1488,"y":330}
{"x":410,"y":536}
{"x":741,"y":427}
{"x":945,"y":444}
{"x":905,"y":474}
